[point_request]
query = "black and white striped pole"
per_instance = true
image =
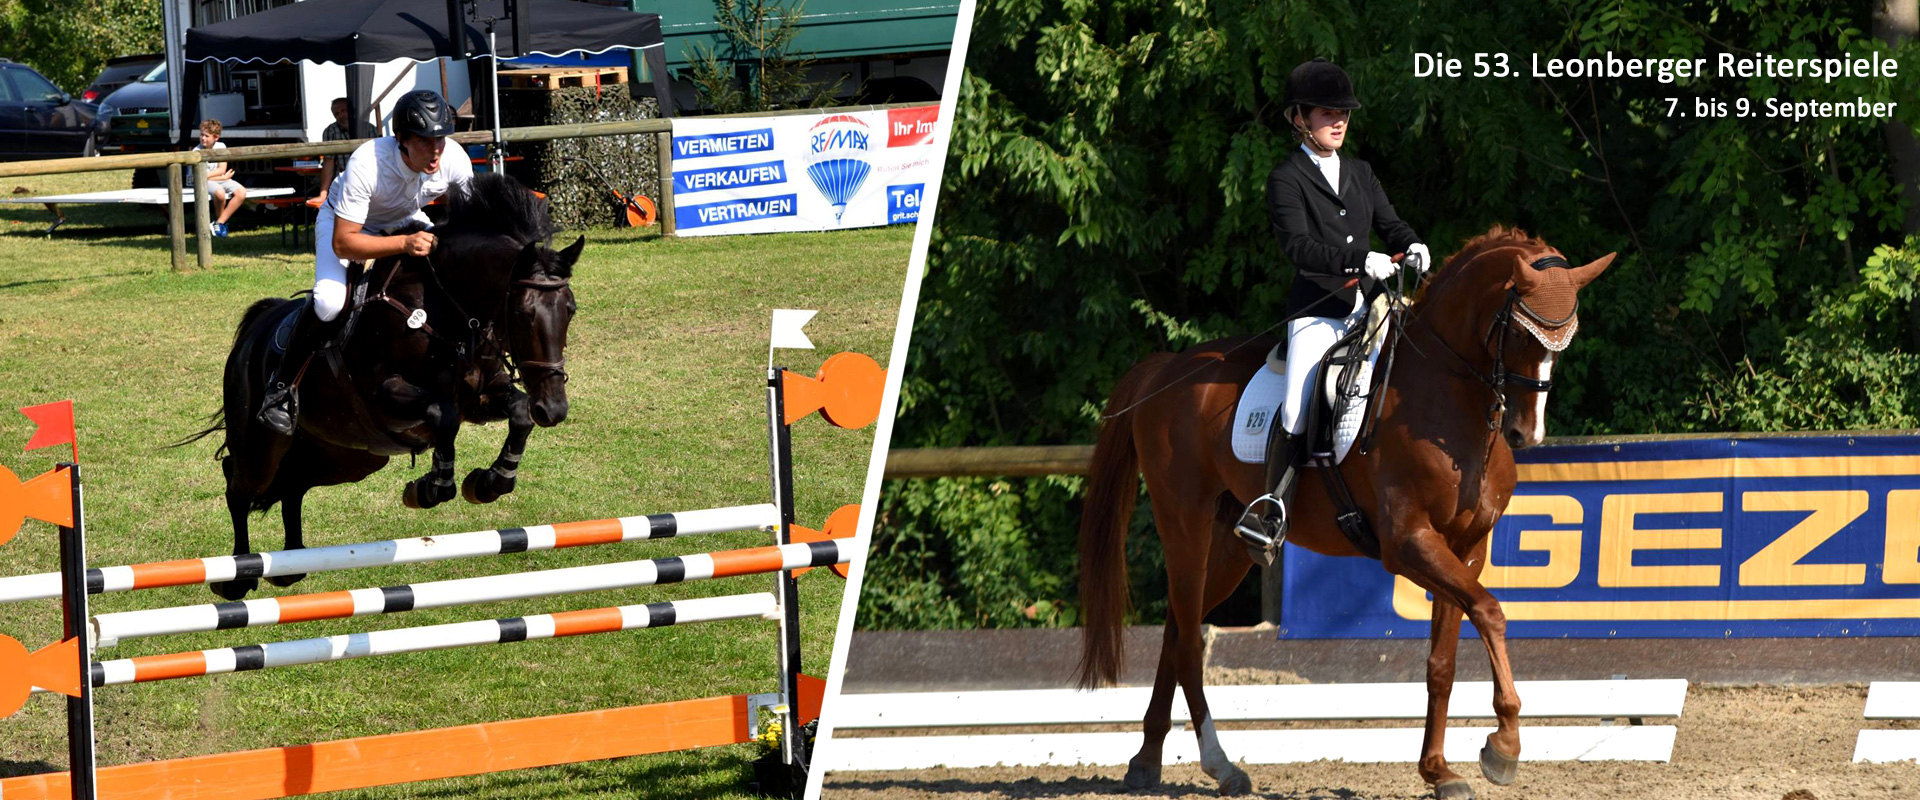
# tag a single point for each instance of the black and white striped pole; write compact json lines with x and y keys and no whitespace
{"x":73,"y":569}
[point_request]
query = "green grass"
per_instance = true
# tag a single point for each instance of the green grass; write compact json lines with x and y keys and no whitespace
{"x":667,"y":358}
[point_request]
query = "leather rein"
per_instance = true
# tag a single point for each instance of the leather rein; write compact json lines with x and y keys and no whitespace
{"x":1499,"y":378}
{"x":478,"y":335}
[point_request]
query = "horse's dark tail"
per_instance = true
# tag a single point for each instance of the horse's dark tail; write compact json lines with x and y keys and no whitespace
{"x":219,"y":417}
{"x":1113,"y":486}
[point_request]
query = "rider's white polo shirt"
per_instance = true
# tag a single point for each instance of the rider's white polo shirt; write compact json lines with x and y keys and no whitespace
{"x":378,"y":191}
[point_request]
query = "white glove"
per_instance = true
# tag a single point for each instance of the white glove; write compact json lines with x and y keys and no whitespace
{"x":1417,"y":253}
{"x":1380,"y":266}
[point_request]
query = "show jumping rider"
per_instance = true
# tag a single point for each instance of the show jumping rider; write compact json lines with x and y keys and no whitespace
{"x":385,"y":184}
{"x":1323,"y":208}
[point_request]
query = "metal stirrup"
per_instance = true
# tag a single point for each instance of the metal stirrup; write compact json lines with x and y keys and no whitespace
{"x":1253,"y":532}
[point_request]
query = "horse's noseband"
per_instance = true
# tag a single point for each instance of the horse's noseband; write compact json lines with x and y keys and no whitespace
{"x":549,"y":367}
{"x":1554,"y":334}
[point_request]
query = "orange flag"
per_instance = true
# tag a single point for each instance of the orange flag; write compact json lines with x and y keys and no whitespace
{"x":55,"y":421}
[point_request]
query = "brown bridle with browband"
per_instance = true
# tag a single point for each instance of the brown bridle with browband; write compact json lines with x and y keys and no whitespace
{"x":1530,"y":320}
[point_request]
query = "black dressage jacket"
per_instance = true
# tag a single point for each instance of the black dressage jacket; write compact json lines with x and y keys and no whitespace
{"x":1326,"y":235}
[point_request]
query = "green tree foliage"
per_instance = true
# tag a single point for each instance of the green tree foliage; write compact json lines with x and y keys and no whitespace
{"x":70,"y":40}
{"x":1105,"y":194}
{"x":758,"y":68}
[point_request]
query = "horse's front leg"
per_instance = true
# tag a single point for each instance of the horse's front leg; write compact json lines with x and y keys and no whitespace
{"x":487,"y":485}
{"x":1426,"y":559}
{"x":1445,"y":644}
{"x":442,"y":417}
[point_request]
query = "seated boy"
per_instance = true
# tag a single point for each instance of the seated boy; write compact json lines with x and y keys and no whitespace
{"x":223,"y":191}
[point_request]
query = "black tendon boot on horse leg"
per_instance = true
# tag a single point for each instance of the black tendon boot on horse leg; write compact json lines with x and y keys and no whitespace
{"x":1264,"y":525}
{"x":281,"y":407}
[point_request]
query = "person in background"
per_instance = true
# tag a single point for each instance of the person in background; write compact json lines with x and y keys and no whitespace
{"x":341,"y":129}
{"x":223,"y":191}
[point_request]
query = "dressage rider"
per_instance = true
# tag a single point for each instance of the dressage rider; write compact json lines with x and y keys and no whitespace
{"x":1322,"y":208}
{"x":385,"y":184}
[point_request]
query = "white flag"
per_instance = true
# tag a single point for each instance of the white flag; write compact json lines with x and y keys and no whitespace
{"x":787,"y":333}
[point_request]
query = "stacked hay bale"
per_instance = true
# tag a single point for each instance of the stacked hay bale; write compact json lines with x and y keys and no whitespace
{"x":561,"y":167}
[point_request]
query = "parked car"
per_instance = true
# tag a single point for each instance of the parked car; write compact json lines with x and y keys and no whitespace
{"x":37,"y":120}
{"x":120,"y":71}
{"x":137,"y":114}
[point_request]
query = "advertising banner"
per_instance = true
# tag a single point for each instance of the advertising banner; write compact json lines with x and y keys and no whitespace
{"x":804,"y":172}
{"x":1778,"y":536}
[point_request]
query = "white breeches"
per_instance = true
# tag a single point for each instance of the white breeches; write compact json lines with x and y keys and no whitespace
{"x":329,"y":271}
{"x":1308,"y":340}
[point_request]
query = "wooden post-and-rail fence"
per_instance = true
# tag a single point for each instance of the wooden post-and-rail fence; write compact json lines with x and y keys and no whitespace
{"x":1075,"y":459}
{"x":198,"y":159}
{"x":662,"y":129}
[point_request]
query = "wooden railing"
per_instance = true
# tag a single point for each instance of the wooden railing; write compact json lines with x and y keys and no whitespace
{"x":198,"y":159}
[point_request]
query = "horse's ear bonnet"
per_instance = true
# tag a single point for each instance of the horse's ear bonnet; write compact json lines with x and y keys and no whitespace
{"x":1551,"y":289}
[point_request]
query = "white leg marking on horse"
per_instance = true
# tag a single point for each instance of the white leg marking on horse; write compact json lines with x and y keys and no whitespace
{"x":1213,"y":759}
{"x":1540,"y":399}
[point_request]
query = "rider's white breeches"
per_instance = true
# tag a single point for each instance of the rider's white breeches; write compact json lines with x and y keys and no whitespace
{"x":1308,"y":339}
{"x":329,"y":271}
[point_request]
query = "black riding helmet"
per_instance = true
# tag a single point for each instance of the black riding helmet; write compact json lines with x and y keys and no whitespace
{"x":423,"y":113}
{"x":1321,"y":84}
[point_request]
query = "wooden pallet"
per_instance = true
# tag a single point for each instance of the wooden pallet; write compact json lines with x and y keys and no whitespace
{"x":561,"y":77}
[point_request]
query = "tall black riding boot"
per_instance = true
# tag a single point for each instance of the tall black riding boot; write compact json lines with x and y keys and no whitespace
{"x":1264,"y":525}
{"x":281,"y":407}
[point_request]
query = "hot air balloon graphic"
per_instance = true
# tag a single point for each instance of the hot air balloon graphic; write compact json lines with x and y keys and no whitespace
{"x":837,"y":158}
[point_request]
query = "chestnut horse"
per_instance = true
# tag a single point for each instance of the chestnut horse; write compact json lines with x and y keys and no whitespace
{"x":1469,"y":387}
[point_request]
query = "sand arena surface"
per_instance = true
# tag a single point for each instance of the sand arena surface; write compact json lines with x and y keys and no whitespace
{"x":1771,"y":742}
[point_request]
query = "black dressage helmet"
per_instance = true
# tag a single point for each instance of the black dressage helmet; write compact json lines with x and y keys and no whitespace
{"x":424,"y":113}
{"x":1321,"y":84}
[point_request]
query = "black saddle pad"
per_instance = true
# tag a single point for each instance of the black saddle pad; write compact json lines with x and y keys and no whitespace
{"x":283,"y":332}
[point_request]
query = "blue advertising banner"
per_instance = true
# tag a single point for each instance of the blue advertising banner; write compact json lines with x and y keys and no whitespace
{"x":803,"y":172}
{"x":1777,"y":536}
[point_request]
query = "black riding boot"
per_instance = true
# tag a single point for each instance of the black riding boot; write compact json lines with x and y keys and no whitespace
{"x":1264,"y":525}
{"x":281,"y":407}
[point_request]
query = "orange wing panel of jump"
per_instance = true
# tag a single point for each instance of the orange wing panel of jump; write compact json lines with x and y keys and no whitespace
{"x":414,"y":756}
{"x":848,"y":390}
{"x":47,"y":498}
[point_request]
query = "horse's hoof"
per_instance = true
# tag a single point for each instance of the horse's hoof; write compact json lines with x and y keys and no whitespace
{"x":1455,"y":789}
{"x":1499,"y":767}
{"x":234,"y":589}
{"x":417,"y":497}
{"x":1236,"y":783}
{"x":286,"y":580}
{"x":1142,"y":775}
{"x":478,"y":488}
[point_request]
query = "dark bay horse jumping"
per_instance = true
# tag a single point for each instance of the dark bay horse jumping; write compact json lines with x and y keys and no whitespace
{"x":1468,"y":388}
{"x":438,"y":340}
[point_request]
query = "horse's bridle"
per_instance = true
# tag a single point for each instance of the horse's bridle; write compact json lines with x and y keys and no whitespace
{"x":516,"y":365}
{"x":1499,"y":378}
{"x":480,"y":336}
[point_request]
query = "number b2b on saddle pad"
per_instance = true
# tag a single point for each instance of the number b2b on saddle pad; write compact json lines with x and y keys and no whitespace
{"x":1343,"y":395}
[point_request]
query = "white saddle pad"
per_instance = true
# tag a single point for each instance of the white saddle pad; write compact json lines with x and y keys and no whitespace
{"x":1259,"y":407}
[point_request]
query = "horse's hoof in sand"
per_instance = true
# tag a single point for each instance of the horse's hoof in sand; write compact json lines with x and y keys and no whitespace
{"x":1142,"y":775}
{"x":1236,"y":783}
{"x":234,"y":589}
{"x":1497,"y":766}
{"x":1455,"y":789}
{"x":286,"y":580}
